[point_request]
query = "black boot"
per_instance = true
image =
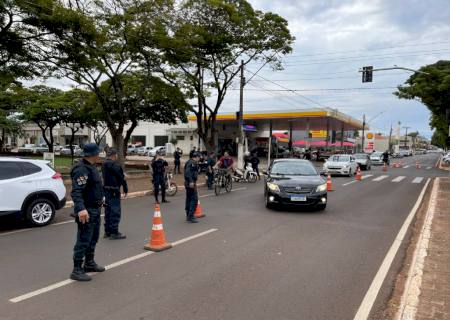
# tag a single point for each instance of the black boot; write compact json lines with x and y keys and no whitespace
{"x":78,"y":273}
{"x":117,"y":236}
{"x":165,"y":201}
{"x":91,"y":266}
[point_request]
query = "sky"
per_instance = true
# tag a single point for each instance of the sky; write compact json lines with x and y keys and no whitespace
{"x":334,"y":39}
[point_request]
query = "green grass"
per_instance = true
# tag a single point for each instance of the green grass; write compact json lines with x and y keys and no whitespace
{"x":62,"y":164}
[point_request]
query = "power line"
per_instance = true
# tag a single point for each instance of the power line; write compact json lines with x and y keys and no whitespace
{"x":318,"y":89}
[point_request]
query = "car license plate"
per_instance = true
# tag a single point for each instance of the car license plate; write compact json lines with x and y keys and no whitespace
{"x":298,"y":199}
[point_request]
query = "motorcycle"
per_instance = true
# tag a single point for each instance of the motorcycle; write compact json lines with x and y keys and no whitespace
{"x":171,"y":186}
{"x":249,"y":175}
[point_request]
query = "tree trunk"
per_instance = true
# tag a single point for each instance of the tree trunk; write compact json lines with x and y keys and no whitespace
{"x":2,"y":140}
{"x":72,"y":139}
{"x":118,"y":143}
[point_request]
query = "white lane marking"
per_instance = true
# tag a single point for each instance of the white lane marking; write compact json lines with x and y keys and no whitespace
{"x":417,"y":180}
{"x":406,"y":167}
{"x":346,"y":184}
{"x":398,"y":179}
{"x":108,"y":267}
{"x":374,"y":289}
{"x":410,"y":297}
{"x":366,"y":176}
{"x":428,"y":168}
{"x":380,"y":178}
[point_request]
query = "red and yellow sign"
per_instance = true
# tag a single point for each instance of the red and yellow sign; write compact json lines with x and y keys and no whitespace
{"x":318,"y":133}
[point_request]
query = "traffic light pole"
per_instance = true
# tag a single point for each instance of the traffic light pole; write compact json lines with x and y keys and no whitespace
{"x":240,"y":161}
{"x":363,"y":132}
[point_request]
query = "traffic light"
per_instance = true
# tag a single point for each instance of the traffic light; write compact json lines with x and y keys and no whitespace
{"x":367,"y":74}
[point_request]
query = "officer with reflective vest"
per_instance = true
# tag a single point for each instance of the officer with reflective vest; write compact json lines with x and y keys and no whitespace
{"x":113,"y":180}
{"x":87,"y":196}
{"x":190,"y":184}
{"x":159,"y":166}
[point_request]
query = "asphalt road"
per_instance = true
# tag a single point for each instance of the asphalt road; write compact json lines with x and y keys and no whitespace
{"x":252,"y":263}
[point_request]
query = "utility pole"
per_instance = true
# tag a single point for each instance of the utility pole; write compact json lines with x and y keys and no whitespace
{"x":241,"y":119}
{"x":390,"y":141}
{"x":363,"y":131}
{"x":406,"y":135}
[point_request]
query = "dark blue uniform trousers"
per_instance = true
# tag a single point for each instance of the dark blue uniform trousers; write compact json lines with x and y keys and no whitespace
{"x":113,"y":211}
{"x":191,"y":201}
{"x":87,"y":235}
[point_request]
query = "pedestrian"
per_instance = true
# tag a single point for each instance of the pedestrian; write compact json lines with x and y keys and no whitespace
{"x":247,"y":158}
{"x":318,"y":155}
{"x":386,"y":157}
{"x":113,"y":179}
{"x":159,"y":166}
{"x":177,"y":160}
{"x":190,"y":184}
{"x":254,"y":160}
{"x":211,"y":162}
{"x":194,"y":150}
{"x":87,"y":196}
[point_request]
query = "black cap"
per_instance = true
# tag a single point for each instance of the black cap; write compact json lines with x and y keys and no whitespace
{"x":196,"y":155}
{"x":111,"y":152}
{"x":91,"y":150}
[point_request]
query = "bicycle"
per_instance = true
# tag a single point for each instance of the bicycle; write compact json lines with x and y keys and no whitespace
{"x":222,"y":179}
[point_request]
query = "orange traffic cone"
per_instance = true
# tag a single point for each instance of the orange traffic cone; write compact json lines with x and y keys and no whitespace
{"x":384,"y":167}
{"x":198,"y":211}
{"x":358,"y":174}
{"x":329,"y":183}
{"x":157,"y":241}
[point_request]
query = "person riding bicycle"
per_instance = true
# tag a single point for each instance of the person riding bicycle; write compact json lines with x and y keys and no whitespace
{"x":226,"y":163}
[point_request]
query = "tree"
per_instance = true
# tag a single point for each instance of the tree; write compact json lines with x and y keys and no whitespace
{"x":207,"y":41}
{"x":413,"y":136}
{"x":101,"y":55}
{"x":43,"y":106}
{"x":10,"y":123}
{"x":432,"y":88}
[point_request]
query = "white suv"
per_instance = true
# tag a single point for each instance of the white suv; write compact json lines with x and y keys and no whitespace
{"x":30,"y":188}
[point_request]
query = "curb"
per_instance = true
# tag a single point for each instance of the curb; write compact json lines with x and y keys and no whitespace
{"x":410,"y":298}
{"x":131,"y":195}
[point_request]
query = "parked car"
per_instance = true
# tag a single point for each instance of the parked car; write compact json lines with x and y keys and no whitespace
{"x":446,"y":158}
{"x":161,"y":149}
{"x":132,"y":149}
{"x":142,"y":151}
{"x":294,"y":182}
{"x":77,"y":151}
{"x":376,"y":158}
{"x":26,"y":148}
{"x":30,"y":189}
{"x":363,"y":160}
{"x":342,"y":164}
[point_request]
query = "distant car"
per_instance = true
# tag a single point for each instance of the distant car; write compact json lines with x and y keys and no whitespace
{"x":446,"y":158}
{"x":40,"y":149}
{"x":341,"y":164}
{"x":161,"y":149}
{"x":142,"y":151}
{"x":26,"y":148}
{"x":132,"y":149}
{"x":32,"y":189}
{"x":363,"y":160}
{"x":294,"y":182}
{"x":77,"y":151}
{"x":376,"y":158}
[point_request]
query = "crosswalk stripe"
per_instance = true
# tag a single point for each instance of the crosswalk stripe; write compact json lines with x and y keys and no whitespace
{"x":366,"y":176}
{"x":380,"y":178}
{"x":406,"y":167}
{"x":428,"y":168}
{"x":398,"y":179}
{"x":417,"y":180}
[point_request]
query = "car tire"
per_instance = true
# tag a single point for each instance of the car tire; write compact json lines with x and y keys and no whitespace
{"x":40,"y":212}
{"x":267,"y":203}
{"x":321,"y":207}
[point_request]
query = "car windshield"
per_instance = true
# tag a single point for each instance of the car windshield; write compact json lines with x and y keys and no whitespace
{"x":340,"y":159}
{"x":376,"y":154}
{"x":293,"y":168}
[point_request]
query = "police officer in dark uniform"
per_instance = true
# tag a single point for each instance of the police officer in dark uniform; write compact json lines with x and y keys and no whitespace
{"x":159,"y":166}
{"x":113,"y":179}
{"x":190,"y":184}
{"x":211,"y":162}
{"x":87,"y":196}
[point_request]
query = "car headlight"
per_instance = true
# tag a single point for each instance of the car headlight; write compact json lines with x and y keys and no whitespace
{"x":273,"y":187}
{"x":321,"y":188}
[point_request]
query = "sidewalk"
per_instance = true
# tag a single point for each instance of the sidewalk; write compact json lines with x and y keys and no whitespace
{"x":428,"y":294}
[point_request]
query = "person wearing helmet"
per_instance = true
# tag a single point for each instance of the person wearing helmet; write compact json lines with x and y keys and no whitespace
{"x":159,"y":166}
{"x":87,"y":196}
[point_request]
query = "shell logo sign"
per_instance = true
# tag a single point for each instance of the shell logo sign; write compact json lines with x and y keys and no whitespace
{"x":370,"y":135}
{"x":370,"y":147}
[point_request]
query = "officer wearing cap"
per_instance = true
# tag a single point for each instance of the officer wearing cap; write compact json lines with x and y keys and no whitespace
{"x":113,"y":179}
{"x":87,"y":196}
{"x":159,"y":166}
{"x":190,"y":184}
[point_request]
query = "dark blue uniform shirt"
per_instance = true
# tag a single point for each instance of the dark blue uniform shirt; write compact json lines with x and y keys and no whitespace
{"x":87,"y":189}
{"x":190,"y":171}
{"x":113,"y":176}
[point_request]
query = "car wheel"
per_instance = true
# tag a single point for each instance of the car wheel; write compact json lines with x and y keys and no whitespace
{"x":40,"y":212}
{"x":321,"y":207}
{"x":267,"y":203}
